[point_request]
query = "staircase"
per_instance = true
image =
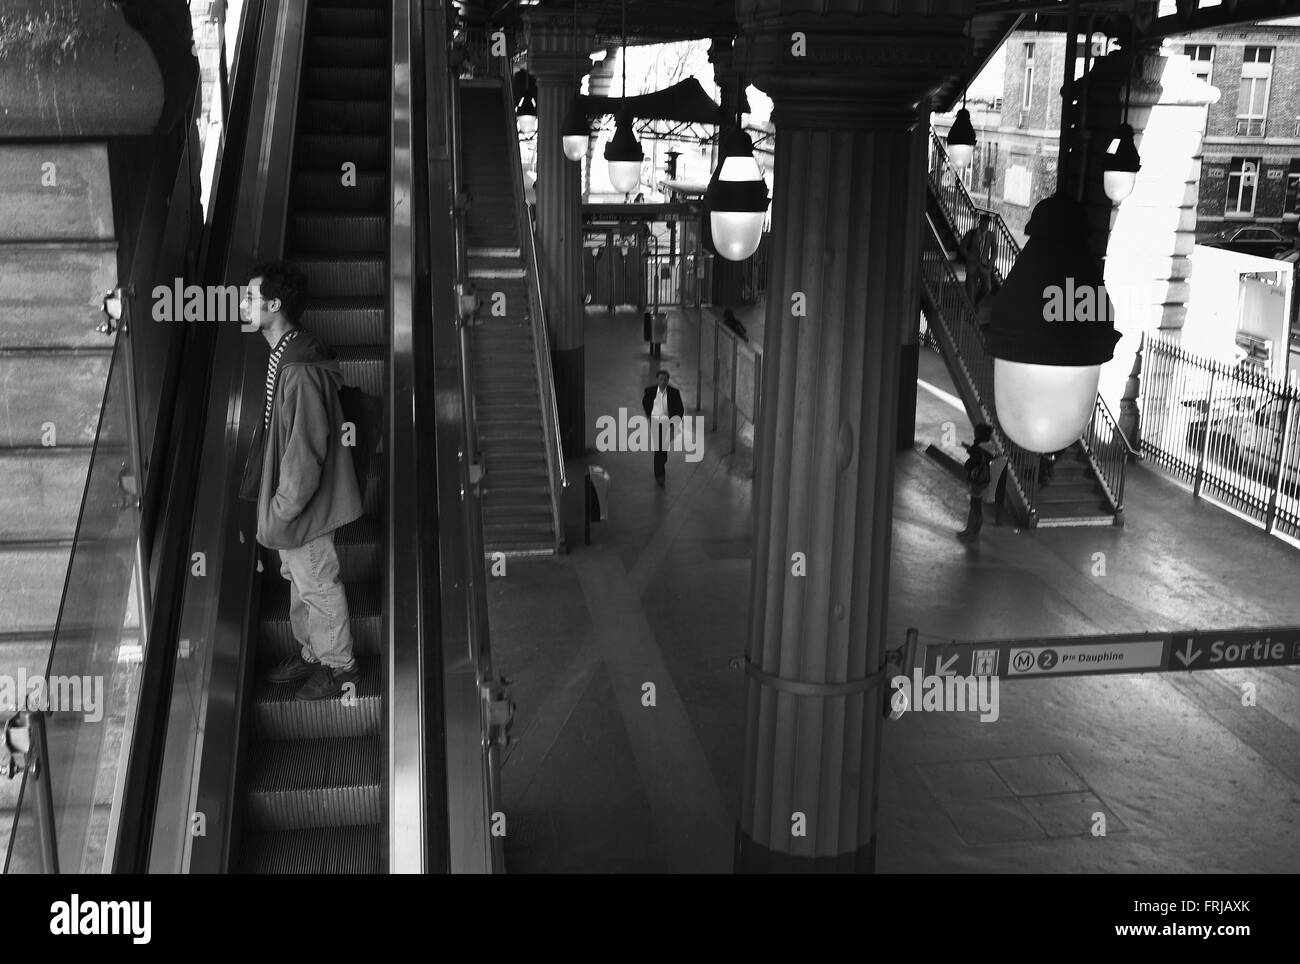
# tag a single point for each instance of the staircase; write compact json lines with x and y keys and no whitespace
{"x":1084,"y":486}
{"x":518,"y":493}
{"x":313,"y":772}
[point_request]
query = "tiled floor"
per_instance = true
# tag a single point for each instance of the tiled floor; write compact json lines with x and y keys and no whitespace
{"x":630,"y":724}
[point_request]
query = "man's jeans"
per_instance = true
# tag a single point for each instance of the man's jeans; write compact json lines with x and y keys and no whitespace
{"x":318,"y":609}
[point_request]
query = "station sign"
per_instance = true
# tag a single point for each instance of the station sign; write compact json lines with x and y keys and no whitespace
{"x":1110,"y":654}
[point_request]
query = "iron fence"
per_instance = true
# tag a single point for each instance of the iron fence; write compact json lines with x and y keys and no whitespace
{"x":1230,"y":431}
{"x":733,"y":369}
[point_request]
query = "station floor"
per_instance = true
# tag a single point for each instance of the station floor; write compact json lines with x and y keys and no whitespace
{"x":1187,"y":777}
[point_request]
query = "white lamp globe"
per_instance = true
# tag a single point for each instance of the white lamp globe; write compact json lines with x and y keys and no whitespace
{"x":575,"y":146}
{"x":527,"y":124}
{"x":960,"y":155}
{"x":1119,"y":184}
{"x":625,"y":176}
{"x":737,"y":234}
{"x":1044,"y":408}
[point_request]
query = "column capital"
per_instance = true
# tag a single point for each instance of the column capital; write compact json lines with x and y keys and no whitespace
{"x":850,"y":69}
{"x":555,"y":46}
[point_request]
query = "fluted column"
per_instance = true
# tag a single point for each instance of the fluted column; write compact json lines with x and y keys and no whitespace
{"x":552,"y":47}
{"x":843,"y":236}
{"x":909,"y":355}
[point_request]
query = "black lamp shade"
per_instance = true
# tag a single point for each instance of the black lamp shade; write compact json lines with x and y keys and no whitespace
{"x":750,"y":195}
{"x":1056,"y":255}
{"x":624,"y":146}
{"x":962,"y":132}
{"x":575,"y":121}
{"x":1126,"y":157}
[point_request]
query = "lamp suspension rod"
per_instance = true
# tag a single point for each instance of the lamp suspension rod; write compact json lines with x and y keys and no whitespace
{"x":1132,"y":57}
{"x":623,"y":53}
{"x":1085,"y":135}
{"x":1067,"y":93}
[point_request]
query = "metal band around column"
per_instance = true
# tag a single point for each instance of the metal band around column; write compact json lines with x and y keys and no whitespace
{"x":797,"y":687}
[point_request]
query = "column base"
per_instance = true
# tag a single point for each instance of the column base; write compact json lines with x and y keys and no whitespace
{"x":909,"y":366}
{"x":569,"y":367}
{"x":754,"y":858}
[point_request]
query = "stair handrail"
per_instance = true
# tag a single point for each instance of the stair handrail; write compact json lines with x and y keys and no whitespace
{"x":962,"y":213}
{"x":541,"y":340}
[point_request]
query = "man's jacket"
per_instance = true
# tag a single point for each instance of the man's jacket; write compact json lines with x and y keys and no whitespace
{"x":299,"y":470}
{"x":675,"y":407}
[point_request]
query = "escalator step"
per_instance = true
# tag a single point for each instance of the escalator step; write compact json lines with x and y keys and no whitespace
{"x":278,"y":716}
{"x":363,"y":366}
{"x":339,"y":233}
{"x":334,"y":850}
{"x":294,"y":785}
{"x":328,"y":153}
{"x":347,"y":52}
{"x":343,"y":276}
{"x":344,"y":117}
{"x":345,"y":83}
{"x":319,"y":192}
{"x":348,"y":22}
{"x":347,"y":321}
{"x":275,"y":635}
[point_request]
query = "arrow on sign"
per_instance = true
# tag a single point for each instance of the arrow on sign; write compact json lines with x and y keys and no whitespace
{"x":1190,"y":656}
{"x":941,"y":668}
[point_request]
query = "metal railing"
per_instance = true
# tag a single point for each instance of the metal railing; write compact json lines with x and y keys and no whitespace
{"x":1230,"y":431}
{"x":1102,"y":441}
{"x":541,"y":339}
{"x":955,"y":324}
{"x":474,"y":45}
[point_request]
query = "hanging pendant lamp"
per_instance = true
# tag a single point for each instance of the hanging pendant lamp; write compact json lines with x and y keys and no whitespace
{"x":575,"y":132}
{"x":737,"y":198}
{"x":623,"y":152}
{"x":1122,"y":166}
{"x":1052,"y":329}
{"x":961,"y":138}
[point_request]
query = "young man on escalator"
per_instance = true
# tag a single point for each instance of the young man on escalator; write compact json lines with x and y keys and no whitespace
{"x":301,"y":475}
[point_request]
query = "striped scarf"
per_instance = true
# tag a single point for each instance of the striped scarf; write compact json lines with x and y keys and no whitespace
{"x":272,"y":367}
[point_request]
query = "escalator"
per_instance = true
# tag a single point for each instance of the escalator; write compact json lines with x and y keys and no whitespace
{"x":312,"y":794}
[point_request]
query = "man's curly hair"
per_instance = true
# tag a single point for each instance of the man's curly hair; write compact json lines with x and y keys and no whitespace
{"x":285,"y":281}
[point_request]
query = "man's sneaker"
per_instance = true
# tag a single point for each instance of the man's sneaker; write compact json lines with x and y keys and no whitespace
{"x":326,"y":683}
{"x":291,"y":669}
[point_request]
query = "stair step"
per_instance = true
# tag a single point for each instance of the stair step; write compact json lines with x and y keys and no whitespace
{"x":345,"y":276}
{"x":339,"y":233}
{"x":333,"y":850}
{"x":345,"y":83}
{"x":314,"y":783}
{"x":278,"y":716}
{"x":347,"y":321}
{"x":365,"y":619}
{"x":329,"y":152}
{"x":347,"y":22}
{"x":363,"y":366}
{"x":344,"y":116}
{"x":347,"y":52}
{"x":33,"y":587}
{"x":45,"y":488}
{"x":27,"y":402}
{"x":321,"y":192}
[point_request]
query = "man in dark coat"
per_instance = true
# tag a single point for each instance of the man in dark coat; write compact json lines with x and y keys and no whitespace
{"x":662,"y":403}
{"x":301,"y":475}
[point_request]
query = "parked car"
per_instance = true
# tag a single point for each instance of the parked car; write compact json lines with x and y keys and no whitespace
{"x":1247,"y":437}
{"x":1253,"y":239}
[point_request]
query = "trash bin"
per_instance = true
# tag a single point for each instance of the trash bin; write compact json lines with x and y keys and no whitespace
{"x":597,"y":499}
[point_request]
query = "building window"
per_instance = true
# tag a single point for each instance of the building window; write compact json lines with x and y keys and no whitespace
{"x":1252,"y":101}
{"x":1016,"y":184}
{"x":1029,"y":76}
{"x":1243,"y":175}
{"x":1292,"y":206}
{"x":1202,"y":60}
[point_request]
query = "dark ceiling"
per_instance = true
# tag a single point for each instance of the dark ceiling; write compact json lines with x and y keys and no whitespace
{"x":662,"y":21}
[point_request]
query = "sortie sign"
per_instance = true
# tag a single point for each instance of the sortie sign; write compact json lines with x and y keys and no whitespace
{"x":1119,"y":653}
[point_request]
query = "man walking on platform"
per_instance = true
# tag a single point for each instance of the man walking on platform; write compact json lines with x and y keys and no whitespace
{"x":662,"y":403}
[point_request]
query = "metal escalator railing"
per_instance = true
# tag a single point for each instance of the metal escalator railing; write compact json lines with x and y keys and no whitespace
{"x":1103,"y":444}
{"x":475,"y":713}
{"x":954,"y":321}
